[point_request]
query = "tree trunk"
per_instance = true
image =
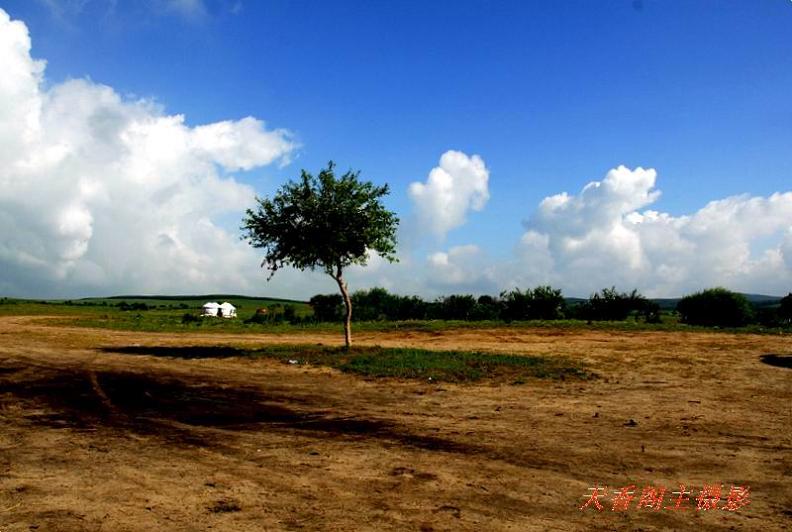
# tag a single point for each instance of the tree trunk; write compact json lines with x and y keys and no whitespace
{"x":348,"y":305}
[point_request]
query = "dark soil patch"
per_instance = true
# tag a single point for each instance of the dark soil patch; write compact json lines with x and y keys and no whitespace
{"x":225,"y":506}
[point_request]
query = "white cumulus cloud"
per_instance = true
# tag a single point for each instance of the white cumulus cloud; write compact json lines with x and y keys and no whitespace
{"x":601,"y":237}
{"x":458,"y":185}
{"x":100,"y":193}
{"x":463,"y":268}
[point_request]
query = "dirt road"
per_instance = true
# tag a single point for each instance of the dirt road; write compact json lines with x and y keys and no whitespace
{"x":96,"y":440}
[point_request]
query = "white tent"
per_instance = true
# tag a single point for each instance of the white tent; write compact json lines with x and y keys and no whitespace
{"x":210,"y":308}
{"x":227,"y":310}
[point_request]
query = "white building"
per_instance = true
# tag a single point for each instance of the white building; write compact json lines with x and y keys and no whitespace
{"x":210,"y":309}
{"x":226,"y":310}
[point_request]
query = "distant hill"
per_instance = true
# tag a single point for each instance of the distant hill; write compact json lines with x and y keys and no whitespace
{"x":759,"y":298}
{"x":205,"y":297}
{"x":188,"y":301}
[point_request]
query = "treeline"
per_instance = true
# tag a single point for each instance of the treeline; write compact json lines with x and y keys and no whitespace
{"x":716,"y":307}
{"x":540,"y":303}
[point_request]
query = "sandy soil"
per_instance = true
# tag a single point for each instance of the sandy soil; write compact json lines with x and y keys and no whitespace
{"x":96,"y":440}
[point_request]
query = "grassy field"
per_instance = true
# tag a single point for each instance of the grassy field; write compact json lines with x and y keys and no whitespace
{"x":158,"y":311}
{"x":168,"y":316}
{"x":501,"y":428}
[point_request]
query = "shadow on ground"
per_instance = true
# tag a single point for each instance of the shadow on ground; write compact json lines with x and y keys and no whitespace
{"x":780,"y":361}
{"x":184,"y":352}
{"x":180,"y":410}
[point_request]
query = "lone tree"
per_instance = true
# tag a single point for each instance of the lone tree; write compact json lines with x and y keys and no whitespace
{"x":323,"y":222}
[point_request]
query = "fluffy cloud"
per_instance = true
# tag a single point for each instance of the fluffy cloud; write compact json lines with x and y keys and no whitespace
{"x":460,"y":267}
{"x":601,"y":237}
{"x":459,"y":184}
{"x":786,"y":249}
{"x":99,"y":193}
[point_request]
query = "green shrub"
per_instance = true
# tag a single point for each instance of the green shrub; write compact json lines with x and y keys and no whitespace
{"x":768,"y":317}
{"x":650,"y":312}
{"x":785,"y":310}
{"x":610,"y":305}
{"x":328,"y":307}
{"x":260,"y":318}
{"x":541,"y":303}
{"x":126,"y":306}
{"x":457,"y":307}
{"x":715,"y":307}
{"x":189,"y":318}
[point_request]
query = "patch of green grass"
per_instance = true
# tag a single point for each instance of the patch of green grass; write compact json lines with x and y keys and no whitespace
{"x":459,"y":365}
{"x":17,"y":307}
{"x":167,"y":321}
{"x":401,"y":363}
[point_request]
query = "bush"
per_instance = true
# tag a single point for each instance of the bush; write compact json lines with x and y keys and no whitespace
{"x":277,"y":313}
{"x":650,"y":312}
{"x":611,"y":305}
{"x":127,"y":306}
{"x":486,"y":308}
{"x":260,"y":318}
{"x":515,"y":305}
{"x":768,"y":317}
{"x":408,"y":308}
{"x":371,"y":305}
{"x":715,"y":307}
{"x":546,"y":303}
{"x":457,"y":307}
{"x":785,"y":310}
{"x":541,"y":303}
{"x":190,"y":318}
{"x":328,"y":307}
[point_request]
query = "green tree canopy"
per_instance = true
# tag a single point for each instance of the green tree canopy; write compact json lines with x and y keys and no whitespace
{"x":324,"y":222}
{"x":715,"y":307}
{"x":785,"y":309}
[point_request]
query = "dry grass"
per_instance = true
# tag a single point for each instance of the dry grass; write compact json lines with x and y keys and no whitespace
{"x":91,"y":439}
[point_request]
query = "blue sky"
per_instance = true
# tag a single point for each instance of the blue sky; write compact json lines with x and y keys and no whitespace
{"x":551,"y":95}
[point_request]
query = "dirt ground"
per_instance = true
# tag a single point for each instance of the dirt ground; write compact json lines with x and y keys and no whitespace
{"x":96,"y":440}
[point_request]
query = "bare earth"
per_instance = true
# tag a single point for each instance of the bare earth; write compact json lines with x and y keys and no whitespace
{"x":92,"y":440}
